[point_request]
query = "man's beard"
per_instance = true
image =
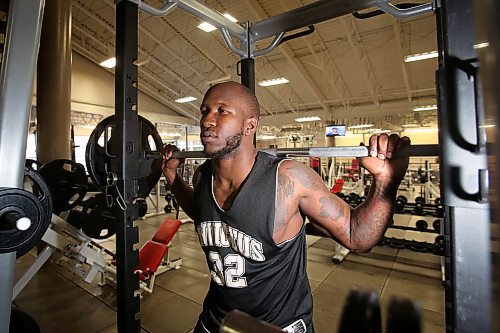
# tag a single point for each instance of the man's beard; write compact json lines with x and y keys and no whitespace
{"x":232,"y":144}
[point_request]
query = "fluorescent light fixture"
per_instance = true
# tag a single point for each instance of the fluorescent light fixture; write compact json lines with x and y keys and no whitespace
{"x":487,"y":126}
{"x":109,"y":63}
{"x":409,"y":125}
{"x":361,"y":126}
{"x":420,"y":130}
{"x":481,"y":45}
{"x":207,"y":27}
{"x":170,"y":134}
{"x":273,"y":82}
{"x":88,"y":126}
{"x":186,"y":99}
{"x":304,"y":119}
{"x":266,"y":137}
{"x":425,"y":108}
{"x":230,"y":17}
{"x":421,"y":56}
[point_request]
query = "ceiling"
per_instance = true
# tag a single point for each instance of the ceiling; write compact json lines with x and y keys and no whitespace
{"x":348,"y":71}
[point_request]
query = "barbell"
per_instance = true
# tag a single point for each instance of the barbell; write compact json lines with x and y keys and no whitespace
{"x":348,"y":151}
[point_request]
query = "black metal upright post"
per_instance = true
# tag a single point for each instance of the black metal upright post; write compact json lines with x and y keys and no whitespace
{"x":464,"y":176}
{"x":125,"y":165}
{"x":248,"y":79}
{"x":248,"y":73}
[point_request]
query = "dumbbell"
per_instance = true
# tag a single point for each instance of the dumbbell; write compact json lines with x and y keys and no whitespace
{"x":439,"y":245}
{"x":436,"y":225}
{"x":422,"y":225}
{"x":400,"y":203}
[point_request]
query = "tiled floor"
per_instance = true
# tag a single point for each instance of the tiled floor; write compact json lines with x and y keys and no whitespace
{"x":62,"y":302}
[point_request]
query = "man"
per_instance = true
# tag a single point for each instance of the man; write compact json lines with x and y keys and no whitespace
{"x":246,"y":206}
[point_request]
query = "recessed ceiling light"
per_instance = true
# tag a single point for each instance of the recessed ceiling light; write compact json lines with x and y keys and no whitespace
{"x":425,"y":108}
{"x":481,"y":45}
{"x":186,"y":99}
{"x":109,"y":63}
{"x":273,"y":82}
{"x":207,"y":27}
{"x":421,"y":56}
{"x":420,"y":130}
{"x":304,"y":119}
{"x":266,"y":137}
{"x":361,"y":126}
{"x":230,"y":17}
{"x":170,"y":134}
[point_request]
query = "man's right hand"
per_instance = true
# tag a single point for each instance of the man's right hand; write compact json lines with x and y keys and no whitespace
{"x":170,"y":164}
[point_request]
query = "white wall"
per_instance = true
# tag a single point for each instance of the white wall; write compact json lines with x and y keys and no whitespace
{"x":92,"y":91}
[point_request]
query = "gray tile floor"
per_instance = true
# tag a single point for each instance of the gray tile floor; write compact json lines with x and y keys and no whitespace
{"x":62,"y":302}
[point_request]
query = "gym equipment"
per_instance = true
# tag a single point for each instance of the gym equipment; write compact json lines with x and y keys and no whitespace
{"x":237,"y":321}
{"x":421,"y":225}
{"x":24,"y":215}
{"x":22,"y":322}
{"x":99,"y":153}
{"x":348,"y":151}
{"x":67,"y":182}
{"x":81,"y":255}
{"x":418,"y":208}
{"x":97,"y":219}
{"x":361,"y":313}
{"x":403,"y":316}
{"x":152,"y":257}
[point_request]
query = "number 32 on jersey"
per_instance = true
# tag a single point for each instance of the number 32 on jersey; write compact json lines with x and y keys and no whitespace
{"x":228,"y":271}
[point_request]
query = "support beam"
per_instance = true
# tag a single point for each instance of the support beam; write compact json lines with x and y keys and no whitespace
{"x":288,"y":53}
{"x":396,"y":27}
{"x":361,"y":55}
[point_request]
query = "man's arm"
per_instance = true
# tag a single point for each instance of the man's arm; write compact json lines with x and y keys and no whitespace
{"x":184,"y":194}
{"x":361,"y":228}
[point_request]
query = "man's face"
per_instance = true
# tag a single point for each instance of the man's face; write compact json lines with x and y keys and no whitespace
{"x":222,"y":121}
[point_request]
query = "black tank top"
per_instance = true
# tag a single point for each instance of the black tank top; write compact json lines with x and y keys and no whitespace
{"x":249,"y":271}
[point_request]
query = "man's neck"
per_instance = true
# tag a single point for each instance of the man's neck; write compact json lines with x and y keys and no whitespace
{"x":232,"y":171}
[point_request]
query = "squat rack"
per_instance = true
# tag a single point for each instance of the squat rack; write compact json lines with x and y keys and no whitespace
{"x":468,"y":264}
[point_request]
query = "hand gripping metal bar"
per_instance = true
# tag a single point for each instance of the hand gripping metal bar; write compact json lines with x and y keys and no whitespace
{"x":351,"y":151}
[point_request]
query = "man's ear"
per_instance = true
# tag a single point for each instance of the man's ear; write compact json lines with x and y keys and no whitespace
{"x":251,"y":125}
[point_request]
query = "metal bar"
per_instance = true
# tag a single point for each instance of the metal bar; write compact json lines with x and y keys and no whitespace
{"x":403,"y":13}
{"x":164,"y":10}
{"x":316,"y":12}
{"x":348,"y":151}
{"x":41,"y":259}
{"x":213,"y":17}
{"x":240,"y":322}
{"x":128,"y":151}
{"x":16,"y":89}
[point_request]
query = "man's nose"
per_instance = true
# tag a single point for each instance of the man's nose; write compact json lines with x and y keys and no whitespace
{"x":209,"y":120}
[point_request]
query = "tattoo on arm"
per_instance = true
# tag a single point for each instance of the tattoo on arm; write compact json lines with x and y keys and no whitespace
{"x":285,"y":191}
{"x":331,"y":208}
{"x":306,"y":177}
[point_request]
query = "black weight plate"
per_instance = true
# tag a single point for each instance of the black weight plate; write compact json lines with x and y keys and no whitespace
{"x":34,"y":202}
{"x":98,"y":220}
{"x":67,"y":181}
{"x":99,"y":153}
{"x":21,"y":322}
{"x":361,"y":313}
{"x":403,"y":316}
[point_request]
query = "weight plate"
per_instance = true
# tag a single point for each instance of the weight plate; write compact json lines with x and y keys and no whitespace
{"x":403,"y":316}
{"x":361,"y":313}
{"x":99,"y":153}
{"x":34,"y":202}
{"x":97,"y":219}
{"x":67,"y":181}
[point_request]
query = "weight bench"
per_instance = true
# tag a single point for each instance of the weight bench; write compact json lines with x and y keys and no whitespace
{"x":153,"y":257}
